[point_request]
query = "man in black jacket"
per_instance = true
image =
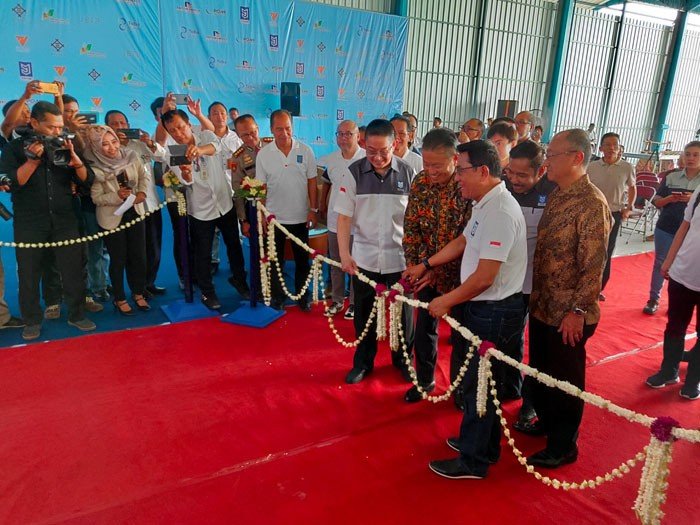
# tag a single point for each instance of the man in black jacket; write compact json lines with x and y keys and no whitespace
{"x":43,"y":206}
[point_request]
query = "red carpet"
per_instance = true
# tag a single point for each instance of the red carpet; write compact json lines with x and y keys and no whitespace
{"x":205,"y":422}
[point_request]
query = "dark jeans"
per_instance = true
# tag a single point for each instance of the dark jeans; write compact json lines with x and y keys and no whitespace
{"x":681,"y":303}
{"x":202,"y":234}
{"x":612,"y":240}
{"x":364,"y":301}
{"x":301,"y":260}
{"x":500,"y":322}
{"x":127,"y":250}
{"x":154,"y":237}
{"x":426,"y":338}
{"x":559,"y":413}
{"x":69,"y":260}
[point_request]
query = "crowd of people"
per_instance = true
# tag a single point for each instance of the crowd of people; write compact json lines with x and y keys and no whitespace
{"x":485,"y":222}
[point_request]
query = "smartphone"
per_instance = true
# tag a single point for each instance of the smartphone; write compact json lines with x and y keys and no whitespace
{"x":90,"y":118}
{"x":49,"y":87}
{"x":131,"y":133}
{"x":177,"y":155}
{"x":181,"y":99}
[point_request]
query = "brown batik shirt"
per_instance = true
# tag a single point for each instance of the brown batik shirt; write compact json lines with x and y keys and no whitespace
{"x":435,"y":215}
{"x":572,"y":242}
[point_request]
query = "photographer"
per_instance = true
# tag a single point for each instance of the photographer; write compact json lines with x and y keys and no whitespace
{"x":41,"y":167}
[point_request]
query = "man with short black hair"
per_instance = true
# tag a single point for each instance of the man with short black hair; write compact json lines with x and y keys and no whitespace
{"x":488,"y":302}
{"x":372,"y":203}
{"x":569,"y":259}
{"x":402,"y":150}
{"x":437,"y":122}
{"x":233,"y":114}
{"x":504,"y":137}
{"x":44,"y":213}
{"x":288,"y":167}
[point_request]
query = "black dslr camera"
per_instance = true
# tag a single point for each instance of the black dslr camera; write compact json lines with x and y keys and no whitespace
{"x":4,"y":212}
{"x":54,"y":146}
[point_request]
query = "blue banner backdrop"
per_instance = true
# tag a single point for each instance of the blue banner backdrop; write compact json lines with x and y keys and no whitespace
{"x":121,"y":54}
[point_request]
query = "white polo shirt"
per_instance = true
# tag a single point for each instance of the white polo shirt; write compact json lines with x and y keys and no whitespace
{"x":414,"y":160}
{"x":497,"y":231}
{"x":377,"y":205}
{"x":685,"y":268}
{"x":209,"y":193}
{"x":336,"y":165}
{"x":613,"y":180}
{"x":287,"y":179}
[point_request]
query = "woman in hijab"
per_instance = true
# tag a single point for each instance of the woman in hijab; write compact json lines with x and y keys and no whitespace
{"x":120,"y":180}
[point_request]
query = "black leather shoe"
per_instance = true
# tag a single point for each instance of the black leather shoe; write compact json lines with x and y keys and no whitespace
{"x":453,"y":443}
{"x":356,"y":375}
{"x":155,"y":290}
{"x":413,"y":396}
{"x":453,"y":469}
{"x":277,"y":304}
{"x":531,"y":427}
{"x":241,"y":287}
{"x":547,"y":460}
{"x":304,"y":305}
{"x":211,"y":301}
{"x":686,"y":356}
{"x":459,"y":399}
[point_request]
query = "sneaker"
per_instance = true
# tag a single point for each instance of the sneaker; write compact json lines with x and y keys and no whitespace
{"x":651,"y":307}
{"x":31,"y":331}
{"x":690,"y":391}
{"x":84,"y":325}
{"x":52,"y":312}
{"x":661,"y":379}
{"x":211,"y":301}
{"x":350,"y":312}
{"x":333,"y":309}
{"x":13,"y":322}
{"x":92,"y":306}
{"x":102,"y":296}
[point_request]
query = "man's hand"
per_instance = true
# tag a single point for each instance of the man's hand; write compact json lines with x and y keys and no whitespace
{"x":76,"y":122}
{"x":439,"y":306}
{"x":626,"y":213}
{"x":413,"y":273}
{"x":245,"y":229}
{"x":311,"y":220}
{"x":36,"y":149}
{"x":32,"y":88}
{"x":186,"y":172}
{"x":193,"y":152}
{"x":75,"y":161}
{"x":571,"y":329}
{"x":348,"y":265}
{"x":665,"y":267}
{"x":428,"y":279}
{"x":169,"y":103}
{"x":140,"y":197}
{"x":194,"y":107}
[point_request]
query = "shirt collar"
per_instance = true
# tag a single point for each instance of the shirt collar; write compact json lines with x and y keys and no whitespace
{"x":576,"y":187}
{"x":492,"y":194}
{"x":367,"y":167}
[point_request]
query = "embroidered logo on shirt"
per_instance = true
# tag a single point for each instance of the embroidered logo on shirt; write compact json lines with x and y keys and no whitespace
{"x":476,"y":225}
{"x":542,"y":200}
{"x":342,"y":189}
{"x":300,"y":159}
{"x":399,"y":184}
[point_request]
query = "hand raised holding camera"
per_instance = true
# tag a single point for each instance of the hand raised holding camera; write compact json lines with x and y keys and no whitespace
{"x":75,"y":161}
{"x":193,"y":152}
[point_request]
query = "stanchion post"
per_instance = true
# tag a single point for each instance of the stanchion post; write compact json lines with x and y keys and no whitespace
{"x":255,"y":284}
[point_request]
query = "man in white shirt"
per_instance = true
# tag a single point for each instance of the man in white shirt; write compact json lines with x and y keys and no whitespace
{"x":488,"y":302}
{"x":288,"y":167}
{"x":209,"y":204}
{"x":146,"y":149}
{"x":346,"y":137}
{"x":372,"y":202}
{"x":401,"y":127}
{"x":614,"y":177}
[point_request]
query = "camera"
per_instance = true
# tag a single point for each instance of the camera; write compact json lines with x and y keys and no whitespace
{"x":54,"y":146}
{"x":4,"y":212}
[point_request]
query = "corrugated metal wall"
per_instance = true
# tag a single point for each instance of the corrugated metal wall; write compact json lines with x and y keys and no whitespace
{"x":380,"y":6}
{"x":684,"y":114}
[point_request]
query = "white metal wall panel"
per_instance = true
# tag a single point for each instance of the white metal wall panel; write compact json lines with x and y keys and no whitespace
{"x":684,"y":113}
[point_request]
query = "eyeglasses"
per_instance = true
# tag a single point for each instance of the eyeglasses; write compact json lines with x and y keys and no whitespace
{"x":460,"y":169}
{"x":344,"y":134}
{"x":378,"y":152}
{"x":523,"y":122}
{"x":549,"y":155}
{"x":467,"y":129}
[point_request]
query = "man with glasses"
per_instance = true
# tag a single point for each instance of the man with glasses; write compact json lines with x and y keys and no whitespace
{"x":372,"y":202}
{"x":524,"y":124}
{"x":472,"y":129}
{"x":436,"y":214}
{"x":572,"y":239}
{"x":488,"y":302}
{"x":401,"y":148}
{"x":346,"y":137}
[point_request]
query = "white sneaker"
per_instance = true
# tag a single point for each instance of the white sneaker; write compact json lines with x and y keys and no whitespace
{"x":333,"y":309}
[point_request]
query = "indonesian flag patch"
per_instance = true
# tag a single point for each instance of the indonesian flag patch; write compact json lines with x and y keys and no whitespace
{"x":497,"y":244}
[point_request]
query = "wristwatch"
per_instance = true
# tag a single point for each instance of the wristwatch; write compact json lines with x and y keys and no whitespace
{"x":578,"y":311}
{"x":426,"y":263}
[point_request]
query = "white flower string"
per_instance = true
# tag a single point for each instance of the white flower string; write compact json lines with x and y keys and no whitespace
{"x":86,"y":238}
{"x":482,"y":386}
{"x":363,"y":334}
{"x":690,"y":435}
{"x":317,"y":270}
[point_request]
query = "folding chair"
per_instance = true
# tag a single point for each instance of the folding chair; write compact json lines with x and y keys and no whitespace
{"x":645,"y":191}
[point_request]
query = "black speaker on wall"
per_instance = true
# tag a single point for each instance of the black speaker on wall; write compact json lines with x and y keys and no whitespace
{"x":507,"y":108}
{"x":290,"y":97}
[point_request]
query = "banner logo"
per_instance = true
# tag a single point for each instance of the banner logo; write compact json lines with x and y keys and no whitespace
{"x":245,"y":88}
{"x":274,"y":42}
{"x":340,"y":51}
{"x":128,"y":78}
{"x":186,"y":32}
{"x":57,"y":45}
{"x":128,"y":25}
{"x":216,"y":12}
{"x":60,"y":70}
{"x":321,"y":47}
{"x":320,"y":71}
{"x":320,"y":92}
{"x":339,"y":114}
{"x":87,"y":50}
{"x":274,"y":16}
{"x":26,"y":72}
{"x":299,"y":69}
{"x":244,"y":14}
{"x":97,"y":104}
{"x":49,"y":16}
{"x":134,"y":104}
{"x":19,"y":10}
{"x":215,"y":63}
{"x":387,"y":35}
{"x":187,"y":7}
{"x":300,"y":21}
{"x":245,"y":65}
{"x":217,"y":37}
{"x":94,"y":75}
{"x":318,"y":26}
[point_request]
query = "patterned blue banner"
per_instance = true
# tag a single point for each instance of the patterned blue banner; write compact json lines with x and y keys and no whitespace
{"x":349,"y":63}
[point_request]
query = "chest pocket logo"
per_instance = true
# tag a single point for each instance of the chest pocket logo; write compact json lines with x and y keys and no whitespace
{"x":300,"y":159}
{"x":542,"y":201}
{"x":473,"y":232}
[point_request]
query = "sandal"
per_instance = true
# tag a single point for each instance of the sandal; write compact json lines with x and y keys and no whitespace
{"x":141,"y":303}
{"x":123,"y":307}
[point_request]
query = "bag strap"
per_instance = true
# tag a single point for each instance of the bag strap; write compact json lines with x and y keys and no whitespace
{"x":697,"y":201}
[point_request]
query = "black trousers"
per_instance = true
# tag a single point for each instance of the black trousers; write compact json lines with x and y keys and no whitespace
{"x":70,"y":261}
{"x":301,"y":260}
{"x":154,"y":238}
{"x":127,"y":250}
{"x":612,"y":240}
{"x":681,"y":303}
{"x":426,"y":338}
{"x":202,"y":235}
{"x":51,"y":287}
{"x":559,"y":413}
{"x":175,"y":223}
{"x":364,"y":301}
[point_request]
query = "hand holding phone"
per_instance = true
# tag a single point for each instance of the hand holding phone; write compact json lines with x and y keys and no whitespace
{"x":181,"y":99}
{"x":131,"y":133}
{"x":49,"y":87}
